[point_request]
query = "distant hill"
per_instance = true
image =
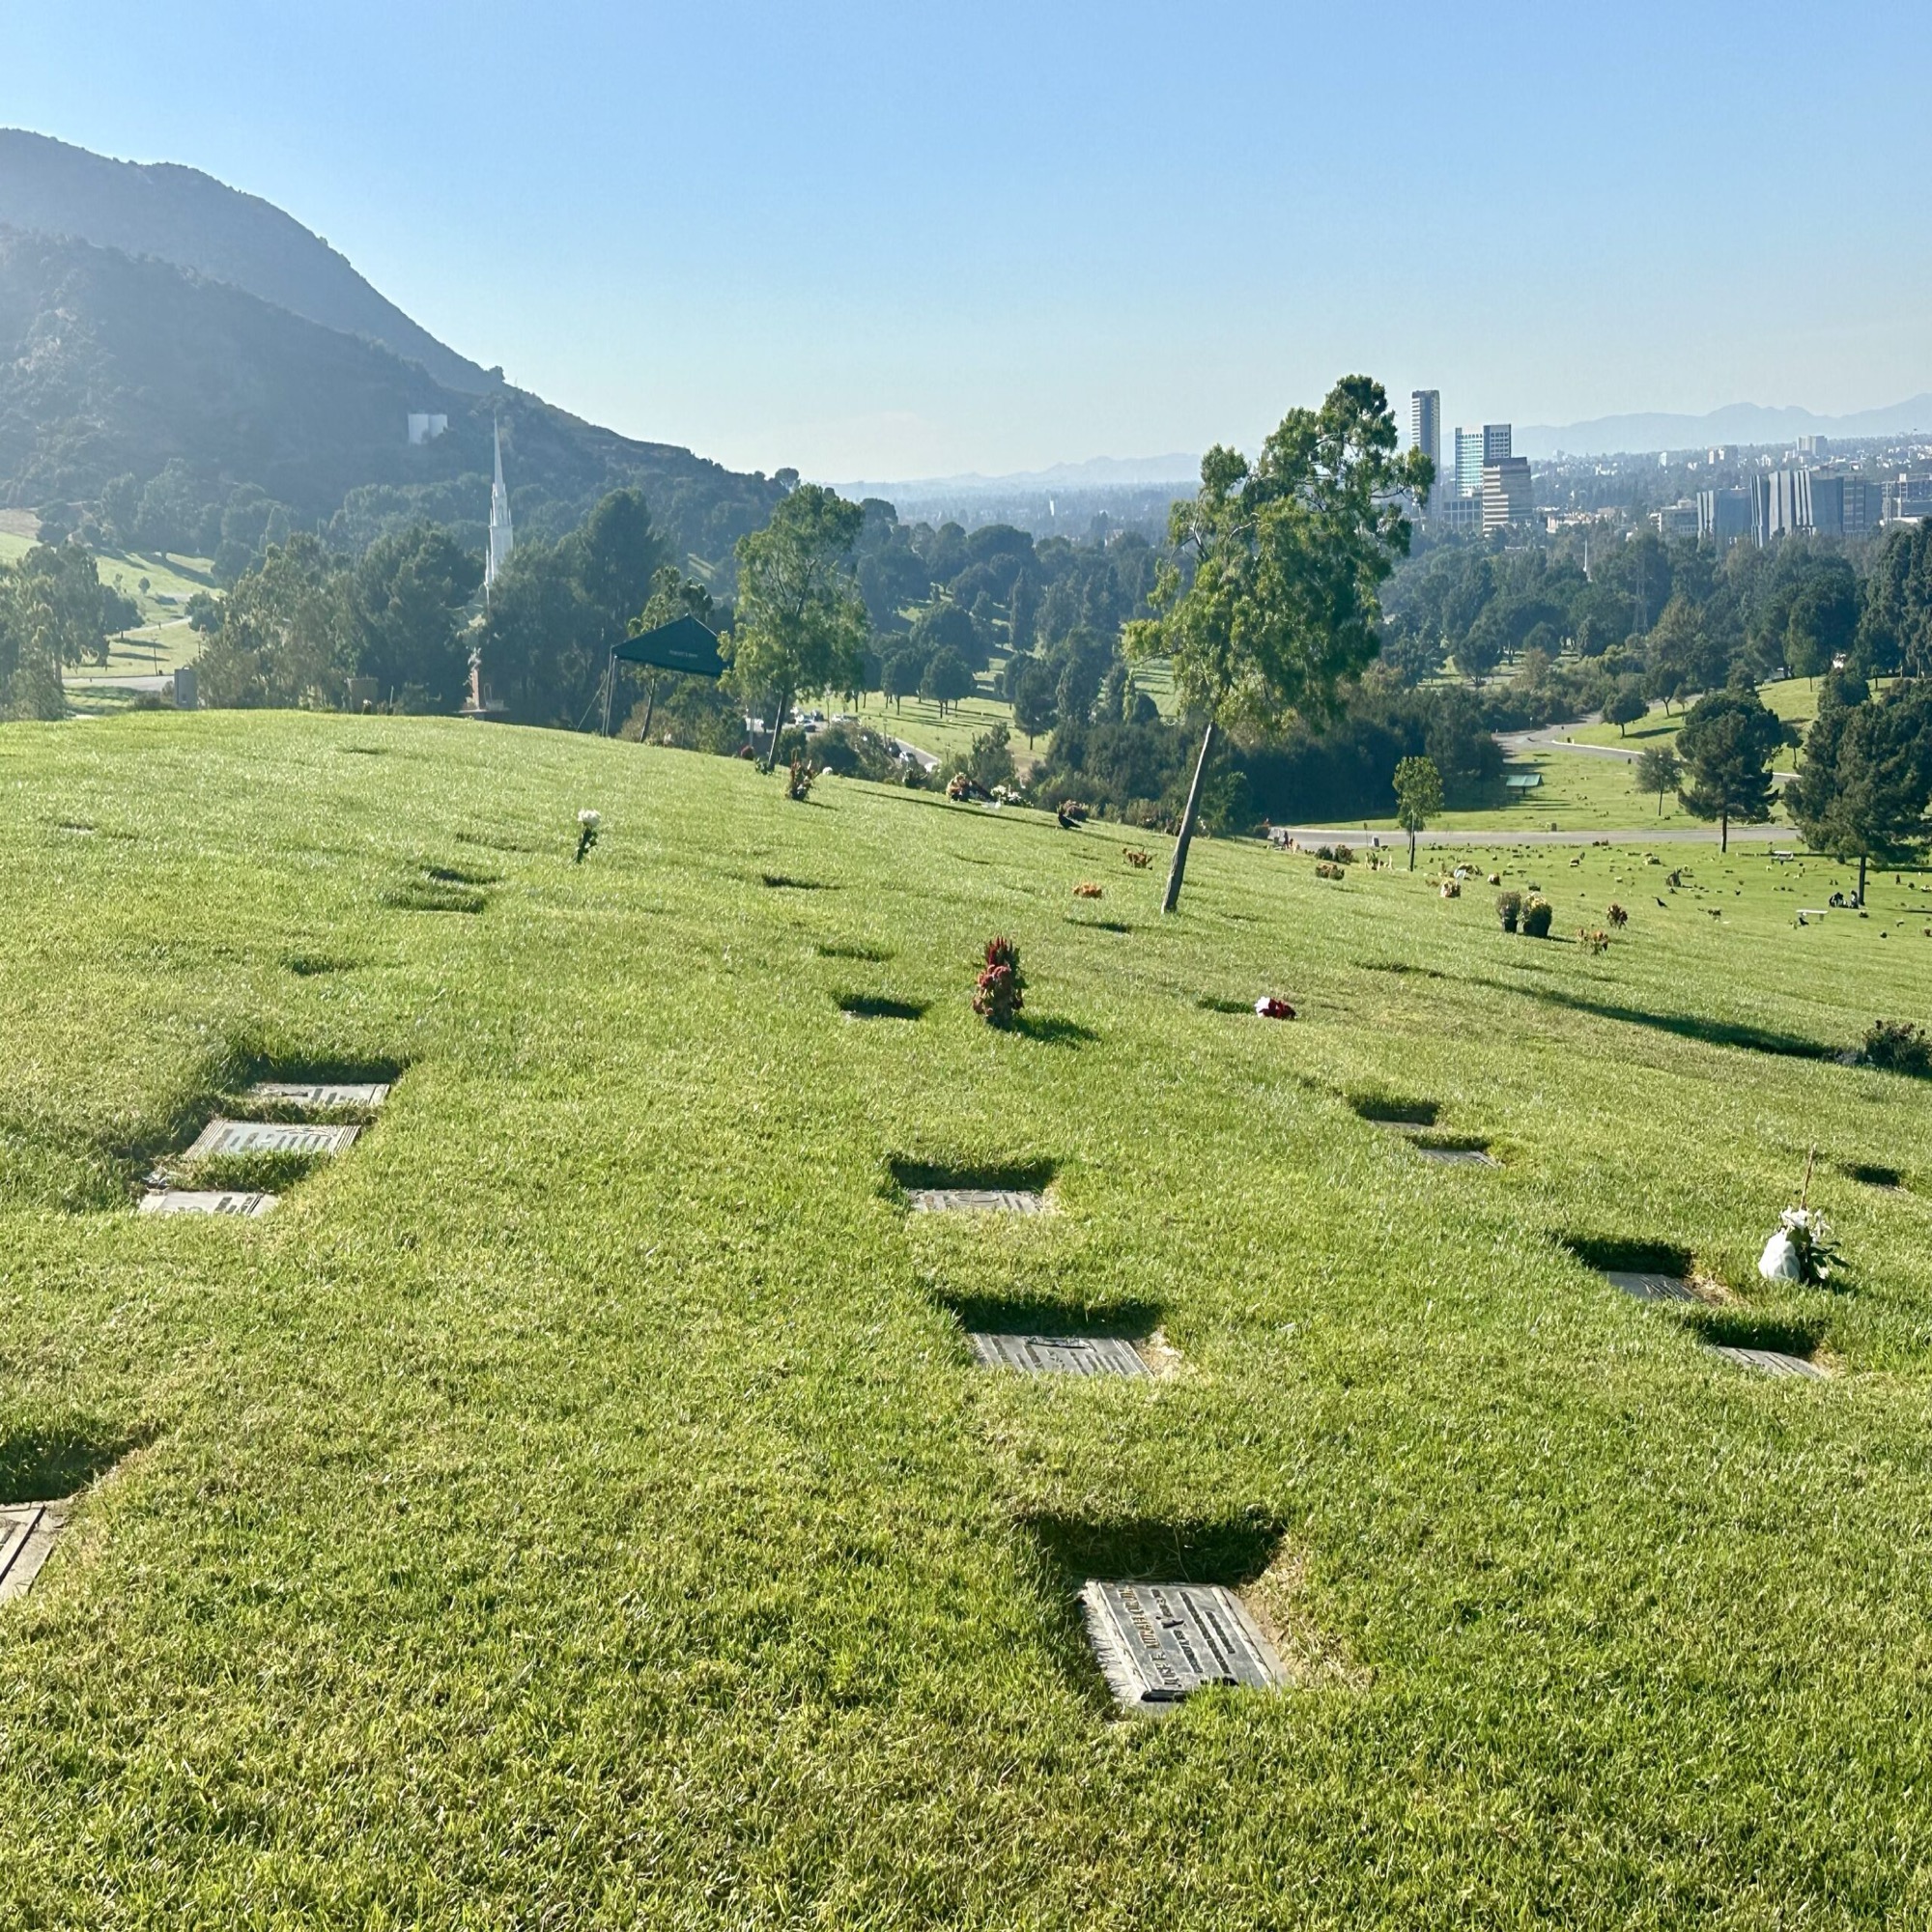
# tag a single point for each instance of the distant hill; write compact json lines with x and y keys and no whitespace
{"x":1746,"y":423}
{"x":113,"y":366}
{"x":184,"y":217}
{"x":1097,"y":473}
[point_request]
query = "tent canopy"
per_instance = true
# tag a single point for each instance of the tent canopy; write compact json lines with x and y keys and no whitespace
{"x":683,"y":644}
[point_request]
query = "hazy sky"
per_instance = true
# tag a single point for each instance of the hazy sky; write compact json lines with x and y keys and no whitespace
{"x":902,"y":241}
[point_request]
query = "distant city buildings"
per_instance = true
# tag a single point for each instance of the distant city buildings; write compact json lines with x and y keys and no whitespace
{"x":1786,"y":502}
{"x":1908,"y":501}
{"x":1723,"y":516}
{"x":1468,"y":463}
{"x":1425,"y":426}
{"x":1506,"y":491}
{"x":424,"y":428}
{"x":1679,"y":520}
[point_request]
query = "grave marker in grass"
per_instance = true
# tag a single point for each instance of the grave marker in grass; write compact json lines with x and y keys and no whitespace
{"x":27,"y":1533}
{"x":258,"y":1137}
{"x":1059,"y":1355}
{"x":975,"y":1201}
{"x":320,"y":1096}
{"x":1157,"y":1643}
{"x":207,"y":1201}
{"x":1771,"y":1361}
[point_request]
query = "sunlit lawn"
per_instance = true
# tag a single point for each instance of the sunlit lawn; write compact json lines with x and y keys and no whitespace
{"x":577,"y":1505}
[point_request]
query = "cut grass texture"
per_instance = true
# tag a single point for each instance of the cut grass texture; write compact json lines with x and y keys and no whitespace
{"x":578,"y":1507}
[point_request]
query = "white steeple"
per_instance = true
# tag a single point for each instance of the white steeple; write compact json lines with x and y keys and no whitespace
{"x":500,"y":539}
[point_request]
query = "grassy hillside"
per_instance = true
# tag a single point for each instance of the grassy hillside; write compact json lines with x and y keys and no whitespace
{"x":576,"y":1504}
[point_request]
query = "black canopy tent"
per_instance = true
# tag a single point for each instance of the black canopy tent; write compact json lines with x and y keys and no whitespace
{"x":683,"y":644}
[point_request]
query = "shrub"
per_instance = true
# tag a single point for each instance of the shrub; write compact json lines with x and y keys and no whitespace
{"x":1002,"y":987}
{"x":1509,"y":909}
{"x":1537,"y":913}
{"x":1325,"y":853}
{"x":1899,"y":1047}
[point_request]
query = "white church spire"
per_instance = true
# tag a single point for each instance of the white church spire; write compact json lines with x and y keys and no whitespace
{"x":500,"y":539}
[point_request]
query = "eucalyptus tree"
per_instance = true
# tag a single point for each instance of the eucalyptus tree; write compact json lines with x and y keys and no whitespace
{"x":1271,"y":604}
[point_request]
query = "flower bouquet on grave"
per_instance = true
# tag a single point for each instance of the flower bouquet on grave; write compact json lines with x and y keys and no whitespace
{"x":1802,"y":1249}
{"x":1001,"y":992}
{"x":1274,"y":1008}
{"x":587,"y":823}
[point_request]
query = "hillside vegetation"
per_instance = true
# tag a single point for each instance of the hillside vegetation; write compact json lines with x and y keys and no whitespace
{"x":577,"y":1503}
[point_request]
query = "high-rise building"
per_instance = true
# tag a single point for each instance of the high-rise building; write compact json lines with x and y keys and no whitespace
{"x":1495,"y":444}
{"x":1723,"y":516}
{"x":1424,"y":428}
{"x":1506,"y":493}
{"x":501,"y":541}
{"x":1468,"y":463}
{"x":1781,"y":503}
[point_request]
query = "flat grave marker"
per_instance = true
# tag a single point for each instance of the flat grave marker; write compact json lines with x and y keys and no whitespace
{"x":1770,"y":1362}
{"x":224,"y":1137}
{"x":1457,"y":1156}
{"x":1059,"y":1354}
{"x":1647,"y":1285}
{"x":27,"y":1532}
{"x":206,"y":1201}
{"x":320,"y":1095}
{"x":1158,"y":1643}
{"x":975,"y":1201}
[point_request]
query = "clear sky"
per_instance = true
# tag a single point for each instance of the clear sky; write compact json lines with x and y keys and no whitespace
{"x":895,"y":240}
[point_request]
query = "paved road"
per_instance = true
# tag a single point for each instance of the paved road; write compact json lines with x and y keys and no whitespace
{"x":1780,"y":835}
{"x":1555,"y":738}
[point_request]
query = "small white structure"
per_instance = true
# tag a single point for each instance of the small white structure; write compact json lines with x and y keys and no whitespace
{"x":425,"y":428}
{"x":502,"y":540}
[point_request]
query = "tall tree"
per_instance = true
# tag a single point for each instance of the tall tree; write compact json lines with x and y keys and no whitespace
{"x":1863,"y":781}
{"x":1032,"y":694}
{"x":1658,"y":770}
{"x":1286,"y":555}
{"x":285,"y":634}
{"x":1727,"y":744}
{"x":945,"y":679}
{"x":802,"y":623}
{"x":406,"y":600}
{"x":1418,"y":798}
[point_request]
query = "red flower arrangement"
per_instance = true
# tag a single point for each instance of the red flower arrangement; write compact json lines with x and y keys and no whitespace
{"x":1002,"y":987}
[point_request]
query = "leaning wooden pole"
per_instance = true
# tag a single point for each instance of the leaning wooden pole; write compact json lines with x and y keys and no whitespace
{"x":1175,"y":872}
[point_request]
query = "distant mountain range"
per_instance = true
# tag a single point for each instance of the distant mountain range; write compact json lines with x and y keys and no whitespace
{"x":153,"y":320}
{"x":1739,"y":423}
{"x":1097,"y":473}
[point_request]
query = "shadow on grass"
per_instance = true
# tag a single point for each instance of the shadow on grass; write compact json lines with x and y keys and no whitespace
{"x":876,"y":1007}
{"x":1101,"y":924}
{"x":268,"y":1172}
{"x":1401,"y":966}
{"x":1690,"y":1026}
{"x":1017,"y":1177}
{"x":1049,"y":1315}
{"x":1053,"y":1031}
{"x":1387,"y":1109}
{"x":778,"y":882}
{"x":312,"y":965}
{"x":1208,"y":1003}
{"x":40,"y":1465}
{"x":432,"y":895}
{"x":1622,"y":1253}
{"x":875,"y":956}
{"x":1231,"y":1549}
{"x":1743,"y":1328}
{"x":460,"y":875}
{"x":1869,"y":1175}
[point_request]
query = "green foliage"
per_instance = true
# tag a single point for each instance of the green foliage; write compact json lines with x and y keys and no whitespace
{"x":1537,"y":916}
{"x":1898,"y":1047}
{"x":1726,"y":744}
{"x":1509,"y":909}
{"x":802,"y":625}
{"x":945,"y":679}
{"x":1895,"y":624}
{"x":1658,"y":770}
{"x":1418,"y":793}
{"x":1865,"y":778}
{"x":1625,"y":708}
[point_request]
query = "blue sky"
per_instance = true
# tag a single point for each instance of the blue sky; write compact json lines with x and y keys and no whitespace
{"x":901,"y":240}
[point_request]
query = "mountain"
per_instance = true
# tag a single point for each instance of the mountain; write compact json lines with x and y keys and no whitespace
{"x":1097,"y":473}
{"x":115,"y":366}
{"x":184,"y":217}
{"x":1746,"y":423}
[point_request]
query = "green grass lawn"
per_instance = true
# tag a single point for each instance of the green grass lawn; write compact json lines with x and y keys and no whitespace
{"x":575,"y":1504}
{"x":1795,"y":699}
{"x":917,"y":722}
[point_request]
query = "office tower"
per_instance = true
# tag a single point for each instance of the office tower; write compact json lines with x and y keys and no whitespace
{"x":1424,"y":428}
{"x":1506,"y":493}
{"x":1495,"y":444}
{"x":1468,"y":463}
{"x":1723,"y":516}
